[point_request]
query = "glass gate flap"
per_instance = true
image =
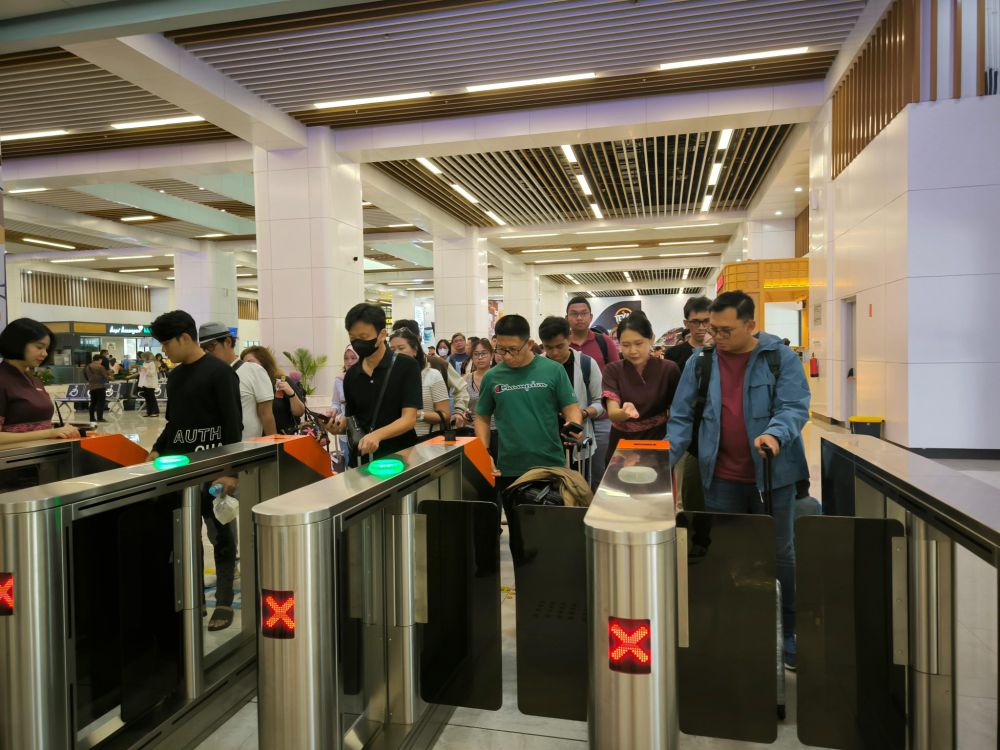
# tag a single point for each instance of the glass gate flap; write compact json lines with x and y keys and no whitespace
{"x":726,"y":678}
{"x":460,"y":655}
{"x":551,"y":583}
{"x":851,"y":694}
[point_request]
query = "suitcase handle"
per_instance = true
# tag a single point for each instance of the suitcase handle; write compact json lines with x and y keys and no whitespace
{"x":767,"y":496}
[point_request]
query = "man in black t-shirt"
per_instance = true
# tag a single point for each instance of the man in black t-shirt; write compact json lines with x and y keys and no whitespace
{"x":391,"y":429}
{"x":203,"y":412}
{"x":696,"y":322}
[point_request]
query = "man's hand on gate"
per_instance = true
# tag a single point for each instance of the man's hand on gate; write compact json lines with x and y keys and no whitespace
{"x":767,"y":440}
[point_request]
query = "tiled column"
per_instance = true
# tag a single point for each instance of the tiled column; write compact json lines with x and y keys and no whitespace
{"x":521,"y":293}
{"x":460,"y":285}
{"x":310,"y":243}
{"x":205,"y":285}
{"x":403,"y":305}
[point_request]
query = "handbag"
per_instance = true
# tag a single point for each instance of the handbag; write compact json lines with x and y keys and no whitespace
{"x":354,"y":429}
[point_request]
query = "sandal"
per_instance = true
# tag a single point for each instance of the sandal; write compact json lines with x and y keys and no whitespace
{"x":222,"y":618}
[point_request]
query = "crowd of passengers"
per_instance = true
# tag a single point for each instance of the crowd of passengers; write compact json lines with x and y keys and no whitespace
{"x":726,"y":397}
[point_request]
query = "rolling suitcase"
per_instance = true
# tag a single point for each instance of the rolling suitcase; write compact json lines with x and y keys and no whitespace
{"x":580,"y":458}
{"x":767,"y":496}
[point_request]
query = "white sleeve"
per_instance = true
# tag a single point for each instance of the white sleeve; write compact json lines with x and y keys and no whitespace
{"x":260,"y":383}
{"x":439,"y":391}
{"x":595,"y":387}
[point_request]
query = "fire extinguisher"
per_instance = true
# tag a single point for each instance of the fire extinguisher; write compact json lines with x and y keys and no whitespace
{"x":813,"y":366}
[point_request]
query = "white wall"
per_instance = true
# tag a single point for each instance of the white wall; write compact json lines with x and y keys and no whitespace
{"x":909,"y":231}
{"x":248,"y":330}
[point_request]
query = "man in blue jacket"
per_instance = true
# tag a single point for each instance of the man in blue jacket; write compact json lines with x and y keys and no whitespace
{"x":757,"y":398}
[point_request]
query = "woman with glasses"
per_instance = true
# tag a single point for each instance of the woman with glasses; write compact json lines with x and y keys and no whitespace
{"x":638,"y":389}
{"x":482,"y":360}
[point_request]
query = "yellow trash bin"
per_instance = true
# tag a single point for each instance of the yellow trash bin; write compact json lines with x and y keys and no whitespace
{"x":867,"y":426}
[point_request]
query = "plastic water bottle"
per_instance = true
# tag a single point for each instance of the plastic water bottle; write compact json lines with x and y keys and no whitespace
{"x":225,"y":507}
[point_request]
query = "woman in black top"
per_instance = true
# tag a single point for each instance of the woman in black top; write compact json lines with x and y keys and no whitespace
{"x":25,"y":407}
{"x":289,"y":399}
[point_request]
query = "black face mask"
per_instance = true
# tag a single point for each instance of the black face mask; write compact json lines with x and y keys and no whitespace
{"x":364,"y":348}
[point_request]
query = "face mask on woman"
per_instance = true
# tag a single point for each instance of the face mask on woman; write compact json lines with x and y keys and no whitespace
{"x":442,"y":352}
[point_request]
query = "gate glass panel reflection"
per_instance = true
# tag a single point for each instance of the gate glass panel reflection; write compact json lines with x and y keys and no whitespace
{"x":551,"y":583}
{"x":726,"y":678}
{"x":460,"y":655}
{"x":851,"y":694}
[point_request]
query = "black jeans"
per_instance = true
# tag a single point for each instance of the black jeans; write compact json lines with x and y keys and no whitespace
{"x":516,"y":540}
{"x":152,"y":407}
{"x":98,"y":403}
{"x":223,"y":539}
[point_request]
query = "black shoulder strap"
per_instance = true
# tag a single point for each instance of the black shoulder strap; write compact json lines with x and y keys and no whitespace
{"x":602,"y":345}
{"x":773,"y":362}
{"x":585,"y":363}
{"x":237,"y":365}
{"x":703,"y":376}
{"x":381,"y":393}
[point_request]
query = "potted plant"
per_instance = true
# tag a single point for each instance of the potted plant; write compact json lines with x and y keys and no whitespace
{"x":304,"y":361}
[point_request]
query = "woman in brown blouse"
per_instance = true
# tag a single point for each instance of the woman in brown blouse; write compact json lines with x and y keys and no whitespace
{"x":638,"y":389}
{"x":25,"y":407}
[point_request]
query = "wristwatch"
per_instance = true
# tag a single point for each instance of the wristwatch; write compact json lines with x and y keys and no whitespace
{"x":420,"y":415}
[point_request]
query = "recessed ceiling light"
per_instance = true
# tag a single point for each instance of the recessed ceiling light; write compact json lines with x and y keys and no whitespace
{"x":210,"y":236}
{"x":778,"y":213}
{"x":164,"y":192}
{"x":584,"y":185}
{"x":628,"y":277}
{"x":73,"y":260}
{"x":464,"y":193}
{"x":373,"y":100}
{"x":713,"y":176}
{"x":50,"y":243}
{"x":399,"y":226}
{"x":548,"y":250}
{"x":29,"y":272}
{"x":569,"y":153}
{"x":136,"y":270}
{"x":145,"y":286}
{"x":691,"y":226}
{"x":28,"y":136}
{"x":609,"y":247}
{"x":706,"y":203}
{"x":434,"y":169}
{"x":496,"y":218}
{"x":156,"y":123}
{"x":529,"y":82}
{"x":680,"y":255}
{"x":734,"y":58}
{"x":725,"y":138}
{"x":144,"y":217}
{"x":170,"y":278}
{"x":620,"y":257}
{"x":129,"y":257}
{"x":556,"y":260}
{"x":419,"y":288}
{"x":567,"y":276}
{"x":85,"y":279}
{"x":687,"y":242}
{"x":526,"y":236}
{"x":607,"y":231}
{"x":596,"y":211}
{"x":366,"y":204}
{"x":798,"y":189}
{"x":687,"y":272}
{"x":22,"y":191}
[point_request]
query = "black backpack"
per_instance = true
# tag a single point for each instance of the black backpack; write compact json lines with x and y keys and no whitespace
{"x":703,"y":376}
{"x":602,"y":344}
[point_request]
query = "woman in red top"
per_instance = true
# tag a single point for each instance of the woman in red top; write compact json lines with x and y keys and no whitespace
{"x":638,"y":389}
{"x":25,"y":407}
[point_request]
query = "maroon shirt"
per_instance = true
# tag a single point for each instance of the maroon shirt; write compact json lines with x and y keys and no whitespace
{"x":651,"y":393}
{"x":734,"y":462}
{"x":591,"y":347}
{"x":24,"y":404}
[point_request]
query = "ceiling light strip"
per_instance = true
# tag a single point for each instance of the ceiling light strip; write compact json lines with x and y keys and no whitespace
{"x":50,"y":243}
{"x":769,"y":54}
{"x":157,"y":123}
{"x":431,"y":166}
{"x":496,"y":218}
{"x":34,"y":134}
{"x":373,"y":100}
{"x":464,"y":193}
{"x":529,"y":82}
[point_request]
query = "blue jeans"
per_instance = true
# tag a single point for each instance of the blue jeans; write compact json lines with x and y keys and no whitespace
{"x":724,"y":496}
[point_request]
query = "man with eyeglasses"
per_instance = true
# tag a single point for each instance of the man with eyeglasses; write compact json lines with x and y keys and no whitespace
{"x":753,"y":398}
{"x":696,"y":322}
{"x":525,"y":394}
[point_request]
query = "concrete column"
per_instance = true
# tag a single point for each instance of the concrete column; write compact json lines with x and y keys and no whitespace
{"x":521,"y":294}
{"x":310,"y":242}
{"x":205,"y":284}
{"x":403,"y":305}
{"x":461,"y":285}
{"x":553,"y":299}
{"x":162,"y":299}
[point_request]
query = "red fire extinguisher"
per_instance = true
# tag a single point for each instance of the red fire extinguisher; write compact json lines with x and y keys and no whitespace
{"x":813,"y":366}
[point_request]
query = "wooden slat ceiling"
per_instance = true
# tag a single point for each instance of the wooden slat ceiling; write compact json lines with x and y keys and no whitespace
{"x":645,"y":177}
{"x":382,"y":49}
{"x":627,"y":292}
{"x":18,"y":229}
{"x":583,"y":280}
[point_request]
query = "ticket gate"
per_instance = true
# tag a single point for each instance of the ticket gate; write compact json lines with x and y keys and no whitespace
{"x":44,"y":461}
{"x":102,"y":641}
{"x":671,"y":629}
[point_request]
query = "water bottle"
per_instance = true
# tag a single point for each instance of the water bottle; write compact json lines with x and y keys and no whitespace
{"x":225,"y":507}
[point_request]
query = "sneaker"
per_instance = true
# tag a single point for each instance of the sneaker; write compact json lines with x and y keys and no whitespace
{"x":790,"y":653}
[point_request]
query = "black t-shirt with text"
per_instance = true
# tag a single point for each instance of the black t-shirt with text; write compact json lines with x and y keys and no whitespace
{"x":404,"y":390}
{"x":203,"y":408}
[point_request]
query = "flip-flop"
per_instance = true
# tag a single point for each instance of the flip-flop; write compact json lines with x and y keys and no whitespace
{"x":222,"y":618}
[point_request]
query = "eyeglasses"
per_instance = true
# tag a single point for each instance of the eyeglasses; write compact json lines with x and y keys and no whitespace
{"x":508,"y":352}
{"x":721,"y":333}
{"x":585,"y":314}
{"x":480,"y":355}
{"x":697,"y":323}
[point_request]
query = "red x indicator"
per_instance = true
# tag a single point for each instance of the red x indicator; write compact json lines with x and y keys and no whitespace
{"x":6,"y":594}
{"x":277,"y":613}
{"x":629,"y":647}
